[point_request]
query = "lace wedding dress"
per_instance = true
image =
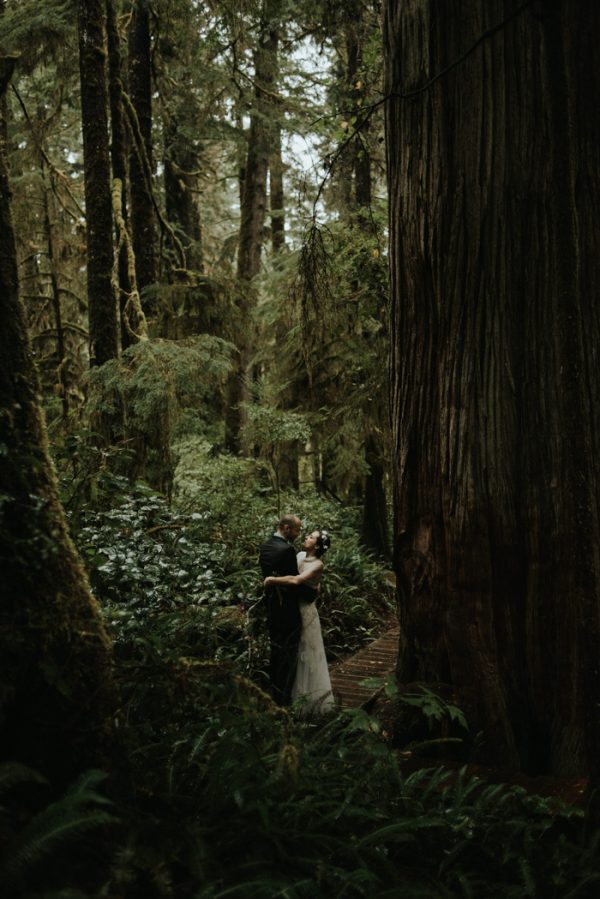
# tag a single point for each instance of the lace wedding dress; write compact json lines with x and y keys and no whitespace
{"x":312,"y":682}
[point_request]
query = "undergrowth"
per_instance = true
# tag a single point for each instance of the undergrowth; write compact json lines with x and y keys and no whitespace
{"x":184,"y":577}
{"x":220,"y":794}
{"x":216,"y":792}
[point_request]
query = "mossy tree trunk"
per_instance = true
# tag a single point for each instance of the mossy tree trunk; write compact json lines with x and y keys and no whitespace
{"x":277,"y":194}
{"x":55,"y":298}
{"x":253,"y":209}
{"x":103,"y":317}
{"x":494,"y":240}
{"x":56,"y":695}
{"x":181,"y":162}
{"x":143,"y":223}
{"x":118,"y":155}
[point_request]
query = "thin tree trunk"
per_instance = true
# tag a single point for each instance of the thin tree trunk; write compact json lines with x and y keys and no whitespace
{"x":57,"y":697}
{"x":118,"y":154}
{"x":181,"y":163}
{"x":374,"y":529}
{"x":103,"y":319}
{"x":142,"y":210}
{"x":56,"y":302}
{"x":253,"y":210}
{"x":494,"y":384}
{"x":277,"y":195}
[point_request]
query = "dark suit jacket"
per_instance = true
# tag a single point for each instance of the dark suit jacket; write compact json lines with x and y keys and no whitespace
{"x":277,"y":557}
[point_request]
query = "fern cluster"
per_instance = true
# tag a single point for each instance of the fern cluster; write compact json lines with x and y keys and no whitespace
{"x":223,"y":794}
{"x":52,"y":841}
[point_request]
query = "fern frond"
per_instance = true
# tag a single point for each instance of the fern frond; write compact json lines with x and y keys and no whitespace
{"x":13,"y":773}
{"x":68,"y":819}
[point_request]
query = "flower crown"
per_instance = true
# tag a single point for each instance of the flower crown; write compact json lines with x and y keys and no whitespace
{"x":324,"y":540}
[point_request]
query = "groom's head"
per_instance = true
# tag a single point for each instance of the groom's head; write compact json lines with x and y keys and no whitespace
{"x":289,"y":527}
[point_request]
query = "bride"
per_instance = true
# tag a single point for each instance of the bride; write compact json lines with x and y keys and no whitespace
{"x":312,"y":683}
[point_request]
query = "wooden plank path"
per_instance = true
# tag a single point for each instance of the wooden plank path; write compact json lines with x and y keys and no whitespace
{"x":375,"y":660}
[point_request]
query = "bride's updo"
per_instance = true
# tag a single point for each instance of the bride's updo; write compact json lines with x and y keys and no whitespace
{"x":323,"y":544}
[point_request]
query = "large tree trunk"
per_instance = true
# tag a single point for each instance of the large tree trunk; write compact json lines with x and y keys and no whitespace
{"x":103,"y":319}
{"x":493,"y":248}
{"x":140,"y":162}
{"x":56,"y":700}
{"x":253,"y":210}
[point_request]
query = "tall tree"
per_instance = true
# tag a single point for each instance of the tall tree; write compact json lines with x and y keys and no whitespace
{"x":494,"y":228}
{"x":120,"y":171}
{"x":253,"y":205}
{"x":181,"y":162}
{"x":103,"y":318}
{"x":141,"y":158}
{"x":276,"y":193}
{"x":56,"y":700}
{"x":374,"y":528}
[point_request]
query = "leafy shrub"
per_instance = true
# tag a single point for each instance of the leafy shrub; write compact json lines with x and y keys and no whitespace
{"x":157,"y":582}
{"x":169,"y":572}
{"x":239,"y":509}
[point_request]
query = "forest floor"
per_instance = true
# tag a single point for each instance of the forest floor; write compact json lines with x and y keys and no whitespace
{"x":378,"y":659}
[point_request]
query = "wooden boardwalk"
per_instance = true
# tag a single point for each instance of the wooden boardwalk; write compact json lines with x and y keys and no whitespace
{"x":375,"y":660}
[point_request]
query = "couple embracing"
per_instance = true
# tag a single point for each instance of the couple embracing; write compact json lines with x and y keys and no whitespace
{"x":297,"y":666}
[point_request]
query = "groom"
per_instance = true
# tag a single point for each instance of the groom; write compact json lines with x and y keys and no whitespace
{"x":278,"y":557}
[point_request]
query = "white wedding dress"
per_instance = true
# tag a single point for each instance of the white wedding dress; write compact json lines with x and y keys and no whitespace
{"x":312,"y":684}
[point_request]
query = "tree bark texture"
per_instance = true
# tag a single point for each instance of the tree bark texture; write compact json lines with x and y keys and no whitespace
{"x":61,"y":355}
{"x":276,"y":194}
{"x":143,"y":224}
{"x":253,"y":209}
{"x":181,"y":192}
{"x":56,"y":695}
{"x":103,"y":319}
{"x":494,"y":235}
{"x":118,"y":155}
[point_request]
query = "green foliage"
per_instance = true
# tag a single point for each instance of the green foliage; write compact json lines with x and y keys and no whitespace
{"x":238,"y":509}
{"x":434,"y":708}
{"x":147,"y":391}
{"x":180,"y":579}
{"x":36,"y":844}
{"x":229,"y":796}
{"x":161,"y":585}
{"x":268,"y":426}
{"x":157,"y":378}
{"x":38,"y":30}
{"x":332,"y":356}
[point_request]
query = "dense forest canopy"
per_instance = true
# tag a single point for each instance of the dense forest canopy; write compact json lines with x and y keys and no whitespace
{"x":334,"y":258}
{"x":220,"y":105}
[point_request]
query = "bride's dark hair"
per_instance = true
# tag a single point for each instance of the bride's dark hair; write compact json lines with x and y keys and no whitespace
{"x":323,"y":544}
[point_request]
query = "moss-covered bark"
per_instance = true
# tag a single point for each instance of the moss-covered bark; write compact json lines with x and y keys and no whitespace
{"x":143,"y":224}
{"x":120,"y":169}
{"x":103,"y":317}
{"x":261,"y":139}
{"x":181,"y":163}
{"x":56,"y":695}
